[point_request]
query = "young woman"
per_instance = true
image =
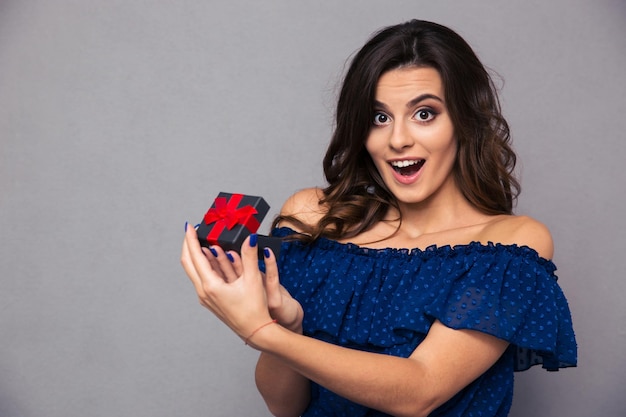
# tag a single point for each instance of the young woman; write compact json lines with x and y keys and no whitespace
{"x":406,"y":286}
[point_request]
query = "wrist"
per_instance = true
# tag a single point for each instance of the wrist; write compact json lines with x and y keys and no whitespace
{"x":258,"y":329}
{"x":270,"y":337}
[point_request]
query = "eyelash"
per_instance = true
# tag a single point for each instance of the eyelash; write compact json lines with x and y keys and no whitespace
{"x":376,"y":115}
{"x":432,"y":113}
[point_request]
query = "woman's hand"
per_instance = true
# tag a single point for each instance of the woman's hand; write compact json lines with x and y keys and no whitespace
{"x":233,"y":291}
{"x":282,"y":306}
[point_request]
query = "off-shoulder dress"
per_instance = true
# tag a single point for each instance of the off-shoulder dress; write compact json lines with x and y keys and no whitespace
{"x":385,"y":300}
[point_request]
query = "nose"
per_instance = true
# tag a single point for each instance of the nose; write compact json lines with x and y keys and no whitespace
{"x":400,"y":137}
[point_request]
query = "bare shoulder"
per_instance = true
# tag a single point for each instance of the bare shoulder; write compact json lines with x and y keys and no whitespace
{"x":521,"y":231}
{"x":304,"y":206}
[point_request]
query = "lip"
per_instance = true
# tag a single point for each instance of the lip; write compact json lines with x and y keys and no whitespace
{"x":406,"y":179}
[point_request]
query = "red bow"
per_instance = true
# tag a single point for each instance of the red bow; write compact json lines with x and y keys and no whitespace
{"x":225,"y":214}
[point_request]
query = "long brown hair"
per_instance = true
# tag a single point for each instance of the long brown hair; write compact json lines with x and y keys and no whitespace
{"x":356,"y":197}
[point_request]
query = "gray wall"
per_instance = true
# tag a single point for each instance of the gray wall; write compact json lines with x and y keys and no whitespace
{"x":122,"y":119}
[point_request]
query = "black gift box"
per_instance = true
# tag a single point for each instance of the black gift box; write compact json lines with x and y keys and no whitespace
{"x":231,"y":219}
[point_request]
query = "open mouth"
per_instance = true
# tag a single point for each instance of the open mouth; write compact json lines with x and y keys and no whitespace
{"x":408,"y":167}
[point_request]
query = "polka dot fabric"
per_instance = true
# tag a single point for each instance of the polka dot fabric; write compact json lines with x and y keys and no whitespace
{"x":385,"y":300}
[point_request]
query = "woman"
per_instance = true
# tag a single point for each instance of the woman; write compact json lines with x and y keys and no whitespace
{"x":405,"y":287}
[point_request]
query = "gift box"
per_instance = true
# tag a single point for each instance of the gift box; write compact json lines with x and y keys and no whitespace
{"x":231,"y":219}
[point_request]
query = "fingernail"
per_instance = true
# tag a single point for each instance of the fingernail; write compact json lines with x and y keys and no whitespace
{"x":253,"y":238}
{"x":186,"y":224}
{"x":266,"y":252}
{"x":213,"y":252}
{"x":230,"y":257}
{"x":196,"y":226}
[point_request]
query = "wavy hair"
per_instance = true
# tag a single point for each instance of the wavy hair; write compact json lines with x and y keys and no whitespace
{"x":356,"y":197}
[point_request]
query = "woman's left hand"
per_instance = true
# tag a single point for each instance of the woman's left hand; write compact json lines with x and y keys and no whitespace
{"x":233,"y":291}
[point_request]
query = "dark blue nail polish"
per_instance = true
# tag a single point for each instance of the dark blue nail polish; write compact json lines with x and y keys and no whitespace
{"x":196,"y":226}
{"x":213,"y":252}
{"x":253,"y":239}
{"x":266,"y":252}
{"x":186,"y":224}
{"x":230,"y":257}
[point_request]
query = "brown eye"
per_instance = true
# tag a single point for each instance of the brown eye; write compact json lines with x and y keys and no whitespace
{"x":424,"y":115}
{"x":381,"y":119}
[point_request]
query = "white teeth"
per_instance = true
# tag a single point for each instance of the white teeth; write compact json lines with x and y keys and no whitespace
{"x":404,"y":164}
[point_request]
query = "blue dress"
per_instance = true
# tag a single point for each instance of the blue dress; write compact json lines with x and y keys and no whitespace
{"x":385,"y":300}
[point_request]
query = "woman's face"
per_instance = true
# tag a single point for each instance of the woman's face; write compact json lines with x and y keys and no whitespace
{"x":411,"y":140}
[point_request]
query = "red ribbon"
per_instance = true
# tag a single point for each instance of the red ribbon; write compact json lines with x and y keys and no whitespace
{"x":226,"y":215}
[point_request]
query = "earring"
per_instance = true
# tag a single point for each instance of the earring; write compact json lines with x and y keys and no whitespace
{"x":370,"y":189}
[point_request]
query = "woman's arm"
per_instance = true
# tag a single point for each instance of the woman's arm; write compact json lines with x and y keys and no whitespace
{"x":285,"y":391}
{"x":415,"y":386}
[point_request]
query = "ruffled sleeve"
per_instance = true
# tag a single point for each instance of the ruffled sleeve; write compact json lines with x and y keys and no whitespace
{"x":511,"y":293}
{"x":385,"y":300}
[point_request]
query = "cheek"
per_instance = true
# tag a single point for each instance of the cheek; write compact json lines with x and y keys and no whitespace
{"x":443,"y":140}
{"x":453,"y":147}
{"x":449,"y":153}
{"x":374,"y":149}
{"x":372,"y":145}
{"x":440,"y":144}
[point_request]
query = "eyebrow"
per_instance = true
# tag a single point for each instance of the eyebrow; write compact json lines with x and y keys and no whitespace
{"x":413,"y":102}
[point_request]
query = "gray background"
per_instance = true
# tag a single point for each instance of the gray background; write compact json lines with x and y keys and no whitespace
{"x":122,"y":119}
